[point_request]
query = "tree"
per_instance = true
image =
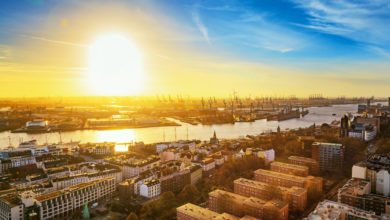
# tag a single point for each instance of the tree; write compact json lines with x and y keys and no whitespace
{"x":132,"y":216}
{"x":161,"y":208}
{"x":189,"y":194}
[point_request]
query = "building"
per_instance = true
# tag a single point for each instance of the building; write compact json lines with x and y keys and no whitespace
{"x":375,"y":169}
{"x":295,"y":196}
{"x":150,"y":189}
{"x":61,"y":204}
{"x":132,"y":187}
{"x":175,"y":181}
{"x":330,"y":156}
{"x":160,"y":147}
{"x":137,"y":166}
{"x":214,"y":139}
{"x":369,"y":121}
{"x":105,"y":148}
{"x":208,"y":165}
{"x":357,"y":193}
{"x":267,"y":155}
{"x":361,"y":127}
{"x":363,"y":132}
{"x":222,"y":201}
{"x":192,"y":212}
{"x":329,"y":210}
{"x":313,"y":165}
{"x":11,"y":207}
{"x":311,"y":183}
{"x":67,"y":181}
{"x":344,"y":126}
{"x":293,"y":169}
{"x":383,"y":182}
{"x":196,"y":173}
{"x":15,"y":158}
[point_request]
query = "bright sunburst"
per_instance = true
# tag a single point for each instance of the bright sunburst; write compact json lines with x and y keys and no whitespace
{"x":115,"y":66}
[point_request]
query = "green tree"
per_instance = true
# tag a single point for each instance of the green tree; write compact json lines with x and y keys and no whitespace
{"x":189,"y":194}
{"x":161,"y":208}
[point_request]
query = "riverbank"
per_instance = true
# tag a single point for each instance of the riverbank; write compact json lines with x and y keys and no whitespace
{"x":317,"y":115}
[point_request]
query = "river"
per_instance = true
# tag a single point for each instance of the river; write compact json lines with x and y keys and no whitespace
{"x":316,"y":115}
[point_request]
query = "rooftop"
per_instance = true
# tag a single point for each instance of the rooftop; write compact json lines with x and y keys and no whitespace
{"x":247,"y":201}
{"x":281,"y":175}
{"x":11,"y":199}
{"x":289,"y":165}
{"x":333,"y":210}
{"x":55,"y":194}
{"x":196,"y":211}
{"x":355,"y":187}
{"x":264,"y":186}
{"x":305,"y":159}
{"x":327,"y":144}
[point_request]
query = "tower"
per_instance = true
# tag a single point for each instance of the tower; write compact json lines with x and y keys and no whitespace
{"x":344,"y":126}
{"x":214,"y":139}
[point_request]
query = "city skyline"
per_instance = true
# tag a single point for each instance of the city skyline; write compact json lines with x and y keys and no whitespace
{"x":196,"y":48}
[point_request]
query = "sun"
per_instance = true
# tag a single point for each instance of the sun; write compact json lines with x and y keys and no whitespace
{"x":115,"y":66}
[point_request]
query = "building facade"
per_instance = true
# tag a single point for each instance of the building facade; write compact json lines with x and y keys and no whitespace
{"x":313,"y":165}
{"x":295,"y":196}
{"x":330,"y":156}
{"x":293,"y":169}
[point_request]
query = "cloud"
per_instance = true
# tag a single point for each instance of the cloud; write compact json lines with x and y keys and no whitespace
{"x":201,"y":27}
{"x":360,"y":21}
{"x":53,"y":41}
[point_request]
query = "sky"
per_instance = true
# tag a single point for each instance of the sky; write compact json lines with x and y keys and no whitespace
{"x":200,"y":48}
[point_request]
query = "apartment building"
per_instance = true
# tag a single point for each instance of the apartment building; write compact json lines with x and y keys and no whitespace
{"x":356,"y":193}
{"x":208,"y":164}
{"x":193,"y":212}
{"x":293,"y":169}
{"x":326,"y":210}
{"x":11,"y":207}
{"x":18,"y":161}
{"x":61,"y":204}
{"x":175,"y":181}
{"x":134,"y":168}
{"x":196,"y":174}
{"x":222,"y":201}
{"x":311,"y":183}
{"x":295,"y":196}
{"x":313,"y":165}
{"x":67,"y":181}
{"x":375,"y":169}
{"x":150,"y":189}
{"x":330,"y":156}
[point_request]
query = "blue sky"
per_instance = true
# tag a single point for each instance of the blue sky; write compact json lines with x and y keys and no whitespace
{"x":317,"y":37}
{"x":279,"y":29}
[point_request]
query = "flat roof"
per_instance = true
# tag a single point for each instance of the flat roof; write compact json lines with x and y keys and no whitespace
{"x":58,"y":193}
{"x":260,"y":185}
{"x":197,"y":211}
{"x":306,"y":159}
{"x":289,"y":165}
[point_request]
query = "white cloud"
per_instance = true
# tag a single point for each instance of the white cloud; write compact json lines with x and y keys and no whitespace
{"x":53,"y":41}
{"x":361,"y":21}
{"x":201,"y":27}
